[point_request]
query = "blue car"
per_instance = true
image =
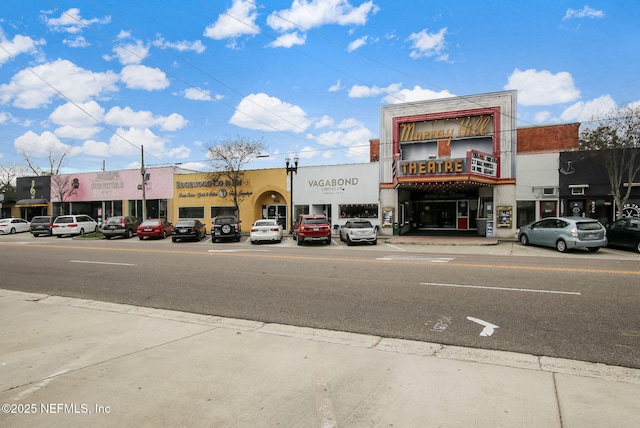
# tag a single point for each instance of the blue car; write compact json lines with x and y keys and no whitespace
{"x":565,"y":233}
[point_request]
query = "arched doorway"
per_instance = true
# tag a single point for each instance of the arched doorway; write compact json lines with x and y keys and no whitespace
{"x":272,"y":205}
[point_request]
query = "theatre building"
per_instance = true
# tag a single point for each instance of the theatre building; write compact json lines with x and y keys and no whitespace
{"x":448,"y":166}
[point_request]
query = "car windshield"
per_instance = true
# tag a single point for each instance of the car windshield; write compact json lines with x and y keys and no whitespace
{"x":64,"y":220}
{"x":153,"y":222}
{"x":265,"y":223}
{"x":314,"y":221}
{"x":184,"y":223}
{"x":114,"y":220}
{"x":40,"y":220}
{"x":361,"y":225}
{"x":588,"y":225}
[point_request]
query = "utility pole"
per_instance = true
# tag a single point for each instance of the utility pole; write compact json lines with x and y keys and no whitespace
{"x":143,"y":171}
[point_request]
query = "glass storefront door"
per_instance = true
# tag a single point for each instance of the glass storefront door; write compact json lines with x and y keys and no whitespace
{"x":436,"y":214}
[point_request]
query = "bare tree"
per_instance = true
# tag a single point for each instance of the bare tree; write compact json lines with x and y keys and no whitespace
{"x":615,"y":141}
{"x":228,"y":158}
{"x":8,"y":175}
{"x":61,"y":188}
{"x":55,"y":160}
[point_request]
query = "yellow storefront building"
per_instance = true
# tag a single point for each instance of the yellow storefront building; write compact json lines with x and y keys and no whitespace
{"x":260,"y":193}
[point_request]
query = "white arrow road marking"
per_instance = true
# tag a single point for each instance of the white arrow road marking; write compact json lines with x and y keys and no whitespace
{"x":488,"y":327}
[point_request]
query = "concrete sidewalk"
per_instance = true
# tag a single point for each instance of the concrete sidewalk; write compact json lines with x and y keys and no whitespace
{"x":77,"y":363}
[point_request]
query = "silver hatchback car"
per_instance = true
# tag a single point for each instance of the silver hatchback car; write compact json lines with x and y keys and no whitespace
{"x":565,"y":233}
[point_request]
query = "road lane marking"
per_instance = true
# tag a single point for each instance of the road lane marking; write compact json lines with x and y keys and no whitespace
{"x":488,"y":327}
{"x":101,"y":263}
{"x":484,"y":287}
{"x":417,"y":259}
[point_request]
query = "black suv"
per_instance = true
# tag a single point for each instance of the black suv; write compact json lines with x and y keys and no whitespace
{"x":42,"y":225}
{"x":226,"y":227}
{"x":191,"y":229}
{"x":125,"y":226}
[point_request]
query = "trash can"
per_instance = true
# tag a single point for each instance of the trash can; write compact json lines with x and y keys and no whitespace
{"x":396,"y":229}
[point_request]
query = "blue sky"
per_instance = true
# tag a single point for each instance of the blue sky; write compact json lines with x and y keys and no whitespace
{"x":100,"y":78}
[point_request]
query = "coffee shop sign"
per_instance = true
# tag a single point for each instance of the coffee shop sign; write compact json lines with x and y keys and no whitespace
{"x":207,"y":183}
{"x":333,"y":184}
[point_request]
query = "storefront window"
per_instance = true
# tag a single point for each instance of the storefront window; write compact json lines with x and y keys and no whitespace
{"x":359,"y":211}
{"x":526,"y":212}
{"x":220,"y":211}
{"x":191,"y":212}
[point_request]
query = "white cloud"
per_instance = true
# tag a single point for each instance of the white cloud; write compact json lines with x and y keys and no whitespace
{"x":181,"y":152}
{"x":39,"y":146}
{"x":589,"y":110}
{"x":198,"y":94}
{"x":143,"y":77}
{"x":78,"y":115}
{"x":77,"y":42}
{"x":335,"y":88}
{"x":305,"y":15}
{"x":360,"y":91}
{"x":324,"y":122}
{"x":131,"y":53}
{"x":585,"y":12}
{"x":143,"y":119}
{"x":237,"y":21}
{"x":127,"y":142}
{"x":19,"y":45}
{"x":29,"y":91}
{"x":289,"y":40}
{"x":95,"y":148}
{"x":542,"y":87}
{"x":71,"y":22}
{"x":542,"y":116}
{"x":425,"y":44}
{"x":394,"y":93}
{"x":181,"y":46}
{"x":358,"y":43}
{"x":265,"y":113}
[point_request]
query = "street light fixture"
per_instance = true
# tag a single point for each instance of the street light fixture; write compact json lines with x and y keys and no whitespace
{"x":291,"y":169}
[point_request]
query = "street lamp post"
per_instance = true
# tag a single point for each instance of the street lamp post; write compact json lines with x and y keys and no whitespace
{"x":291,"y":169}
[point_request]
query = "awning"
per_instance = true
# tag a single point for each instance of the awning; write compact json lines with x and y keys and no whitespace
{"x":32,"y":203}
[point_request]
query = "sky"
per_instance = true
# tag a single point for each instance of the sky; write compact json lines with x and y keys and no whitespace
{"x":99,"y":79}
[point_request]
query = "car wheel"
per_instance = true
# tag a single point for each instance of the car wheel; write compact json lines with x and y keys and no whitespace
{"x":238,"y":238}
{"x":349,"y":241}
{"x":164,"y":234}
{"x":524,"y":239}
{"x":299,"y":241}
{"x":107,"y":237}
{"x":140,"y":237}
{"x":13,"y":230}
{"x":81,"y":231}
{"x":593,"y":249}
{"x":129,"y":233}
{"x":213,"y":239}
{"x":173,"y":239}
{"x":328,"y":241}
{"x":638,"y":246}
{"x":561,"y":246}
{"x":375,"y":242}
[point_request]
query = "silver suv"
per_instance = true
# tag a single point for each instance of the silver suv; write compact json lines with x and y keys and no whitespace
{"x":565,"y":233}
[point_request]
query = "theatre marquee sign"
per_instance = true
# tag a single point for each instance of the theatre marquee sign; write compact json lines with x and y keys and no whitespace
{"x":477,"y":163}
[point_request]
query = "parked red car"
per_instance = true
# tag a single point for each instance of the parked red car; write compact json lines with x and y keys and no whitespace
{"x":311,"y":227}
{"x":154,"y":228}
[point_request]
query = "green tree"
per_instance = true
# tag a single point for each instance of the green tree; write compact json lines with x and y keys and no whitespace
{"x":614,"y":140}
{"x":228,"y":159}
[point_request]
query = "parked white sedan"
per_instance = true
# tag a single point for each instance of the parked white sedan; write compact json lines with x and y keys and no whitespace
{"x":265,"y":230}
{"x":13,"y":225}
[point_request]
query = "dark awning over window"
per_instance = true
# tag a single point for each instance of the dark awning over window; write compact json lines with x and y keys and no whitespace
{"x":32,"y":202}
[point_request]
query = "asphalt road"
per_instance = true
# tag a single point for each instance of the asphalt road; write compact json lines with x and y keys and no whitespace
{"x":508,"y":297}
